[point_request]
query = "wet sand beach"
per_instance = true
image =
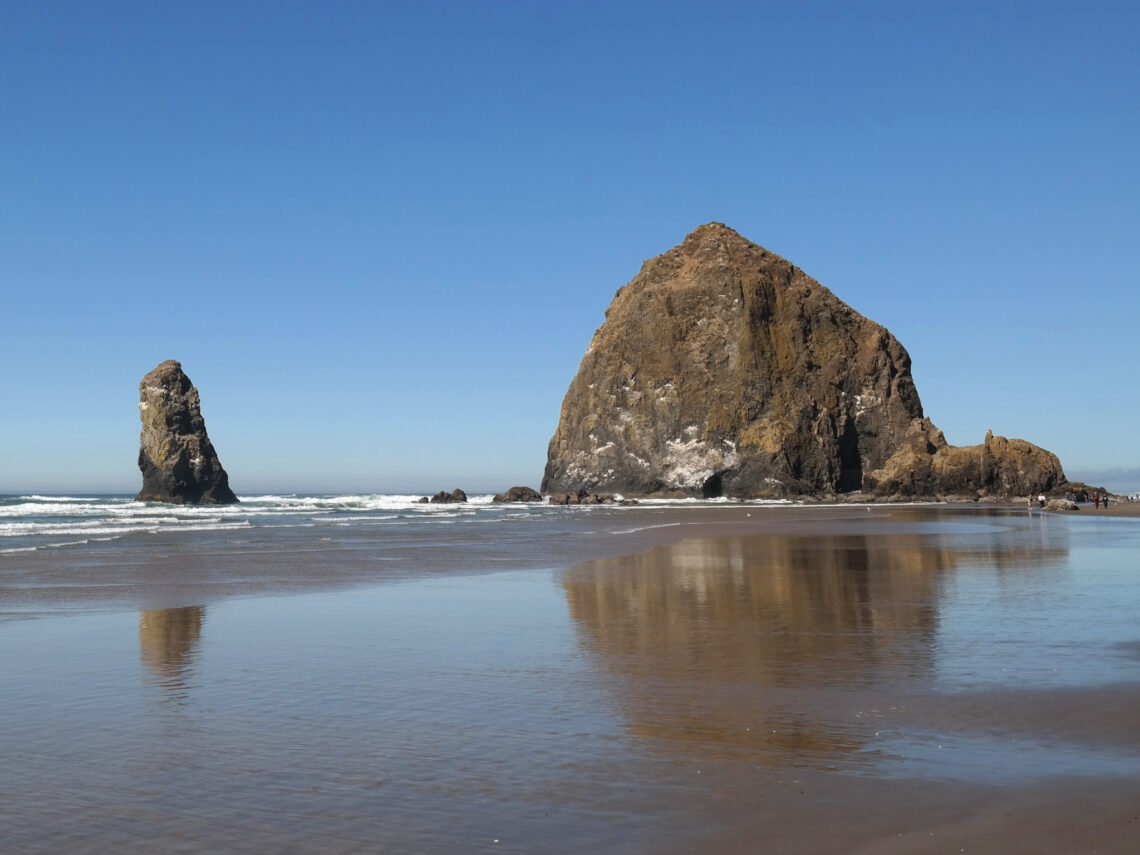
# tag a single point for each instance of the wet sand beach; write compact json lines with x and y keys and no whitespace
{"x":653,"y":680}
{"x":1116,"y":509}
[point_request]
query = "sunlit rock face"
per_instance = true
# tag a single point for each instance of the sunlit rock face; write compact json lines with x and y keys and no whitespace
{"x":723,"y":369}
{"x":926,"y":465}
{"x":177,"y":460}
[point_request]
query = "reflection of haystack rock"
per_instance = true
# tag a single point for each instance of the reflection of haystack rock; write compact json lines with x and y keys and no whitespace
{"x":756,"y":645}
{"x":737,"y":645}
{"x":807,"y":599}
{"x":710,"y":639}
{"x":168,"y":641}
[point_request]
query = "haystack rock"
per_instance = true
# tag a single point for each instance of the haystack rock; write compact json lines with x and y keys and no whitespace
{"x":178,"y":462}
{"x":723,"y":369}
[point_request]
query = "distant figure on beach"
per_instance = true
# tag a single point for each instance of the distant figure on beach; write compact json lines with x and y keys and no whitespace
{"x":1030,"y":503}
{"x":1096,"y":498}
{"x":1041,"y":501}
{"x":1104,"y":499}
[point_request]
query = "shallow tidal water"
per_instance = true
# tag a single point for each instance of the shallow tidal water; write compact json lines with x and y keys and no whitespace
{"x":620,"y":704}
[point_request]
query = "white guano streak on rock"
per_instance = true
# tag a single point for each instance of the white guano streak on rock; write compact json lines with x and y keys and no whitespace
{"x":644,"y":464}
{"x":689,"y":463}
{"x":865,"y":401}
{"x":590,"y":468}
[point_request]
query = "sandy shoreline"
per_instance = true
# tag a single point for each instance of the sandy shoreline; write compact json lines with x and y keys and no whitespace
{"x":830,"y":816}
{"x":1116,"y":509}
{"x":806,"y":810}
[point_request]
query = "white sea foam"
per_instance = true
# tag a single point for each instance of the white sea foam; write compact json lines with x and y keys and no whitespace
{"x":41,"y":509}
{"x":34,"y":521}
{"x":721,"y":500}
{"x":646,"y":528}
{"x":35,"y":498}
{"x":350,"y":502}
{"x":79,"y":529}
{"x":229,"y":526}
{"x":343,"y":520}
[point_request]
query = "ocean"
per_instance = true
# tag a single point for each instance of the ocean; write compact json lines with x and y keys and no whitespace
{"x":36,"y":522}
{"x":77,"y":551}
{"x":367,"y":674}
{"x":44,"y":522}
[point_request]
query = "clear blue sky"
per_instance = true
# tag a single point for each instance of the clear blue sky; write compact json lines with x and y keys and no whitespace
{"x":379,"y":236}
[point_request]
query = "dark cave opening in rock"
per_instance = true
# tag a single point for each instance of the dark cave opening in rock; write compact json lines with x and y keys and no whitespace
{"x":850,"y":462}
{"x":713,"y":488}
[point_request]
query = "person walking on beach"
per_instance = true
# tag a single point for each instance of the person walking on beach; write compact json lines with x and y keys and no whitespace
{"x":1096,"y":499}
{"x":1041,"y":501}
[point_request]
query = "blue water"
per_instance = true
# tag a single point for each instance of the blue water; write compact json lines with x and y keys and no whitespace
{"x":30,"y":522}
{"x":38,"y":522}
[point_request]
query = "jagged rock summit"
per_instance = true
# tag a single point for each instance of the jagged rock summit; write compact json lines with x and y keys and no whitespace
{"x":178,"y":461}
{"x":723,"y":369}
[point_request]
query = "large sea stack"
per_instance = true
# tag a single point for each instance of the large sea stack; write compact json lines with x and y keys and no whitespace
{"x":723,"y":369}
{"x":178,"y":461}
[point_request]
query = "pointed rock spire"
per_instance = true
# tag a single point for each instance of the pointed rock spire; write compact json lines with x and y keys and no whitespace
{"x":178,"y":462}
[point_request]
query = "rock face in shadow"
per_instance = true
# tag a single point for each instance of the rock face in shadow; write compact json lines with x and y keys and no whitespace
{"x":723,"y":369}
{"x":178,"y":461}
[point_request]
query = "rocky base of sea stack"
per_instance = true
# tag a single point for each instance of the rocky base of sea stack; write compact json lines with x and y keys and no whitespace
{"x":584,"y":497}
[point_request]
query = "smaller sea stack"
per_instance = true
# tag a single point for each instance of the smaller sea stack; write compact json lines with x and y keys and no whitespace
{"x":178,"y":461}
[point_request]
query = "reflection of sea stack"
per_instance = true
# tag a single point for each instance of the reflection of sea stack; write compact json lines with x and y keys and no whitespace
{"x":763,"y":610}
{"x":178,"y":462}
{"x":722,"y":369}
{"x":168,"y":639}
